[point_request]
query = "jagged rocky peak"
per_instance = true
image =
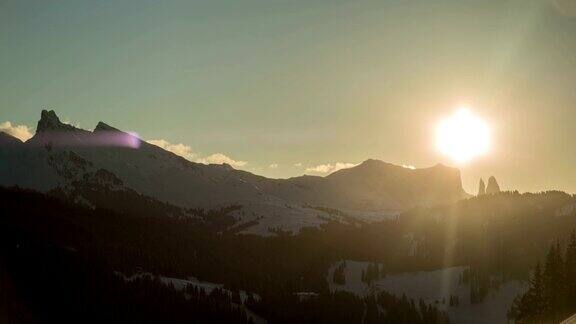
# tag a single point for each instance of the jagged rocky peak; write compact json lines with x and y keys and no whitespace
{"x":103,"y":127}
{"x":493,"y":186}
{"x":50,"y":122}
{"x":481,"y":188}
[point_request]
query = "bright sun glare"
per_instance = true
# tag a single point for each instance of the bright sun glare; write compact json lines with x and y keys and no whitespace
{"x":463,"y":136}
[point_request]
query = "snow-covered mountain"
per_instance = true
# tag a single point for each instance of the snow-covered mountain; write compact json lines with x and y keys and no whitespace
{"x":62,"y":157}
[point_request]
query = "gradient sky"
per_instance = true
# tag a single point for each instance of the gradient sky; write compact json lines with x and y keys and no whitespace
{"x":306,"y":82}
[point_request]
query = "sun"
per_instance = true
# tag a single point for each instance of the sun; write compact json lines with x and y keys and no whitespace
{"x":463,"y":136}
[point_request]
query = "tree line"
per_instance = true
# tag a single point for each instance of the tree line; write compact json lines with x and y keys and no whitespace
{"x":551,"y":296}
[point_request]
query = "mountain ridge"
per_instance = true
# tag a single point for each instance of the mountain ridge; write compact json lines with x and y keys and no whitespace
{"x":371,"y":190}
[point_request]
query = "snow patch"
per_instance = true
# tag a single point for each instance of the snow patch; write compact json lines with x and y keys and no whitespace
{"x":433,"y":287}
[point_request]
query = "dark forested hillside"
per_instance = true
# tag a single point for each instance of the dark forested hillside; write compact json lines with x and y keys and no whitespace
{"x":508,"y":232}
{"x":66,"y":262}
{"x":47,"y":243}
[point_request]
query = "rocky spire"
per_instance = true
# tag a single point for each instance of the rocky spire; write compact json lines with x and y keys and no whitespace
{"x":493,"y":186}
{"x":49,"y":121}
{"x":481,"y":188}
{"x":103,"y":127}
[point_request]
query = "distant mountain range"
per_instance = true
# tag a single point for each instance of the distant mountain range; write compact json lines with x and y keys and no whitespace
{"x":72,"y":161}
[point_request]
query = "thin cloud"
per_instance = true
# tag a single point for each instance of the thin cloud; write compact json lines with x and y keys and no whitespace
{"x":183,"y":150}
{"x":329,"y":168}
{"x":298,"y":164}
{"x":408,"y":166}
{"x":219,"y":158}
{"x":186,"y":152}
{"x":68,"y":122}
{"x":21,"y":132}
{"x":273,"y":166}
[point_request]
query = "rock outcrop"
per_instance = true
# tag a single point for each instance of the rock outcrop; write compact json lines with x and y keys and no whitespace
{"x":49,"y":122}
{"x":481,"y":188}
{"x":493,"y":187}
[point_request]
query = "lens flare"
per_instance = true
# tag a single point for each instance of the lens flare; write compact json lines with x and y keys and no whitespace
{"x":92,"y":139}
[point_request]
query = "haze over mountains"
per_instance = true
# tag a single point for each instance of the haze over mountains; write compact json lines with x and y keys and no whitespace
{"x":65,"y":158}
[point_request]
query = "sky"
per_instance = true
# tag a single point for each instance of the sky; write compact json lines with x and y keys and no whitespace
{"x":283,"y":88}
